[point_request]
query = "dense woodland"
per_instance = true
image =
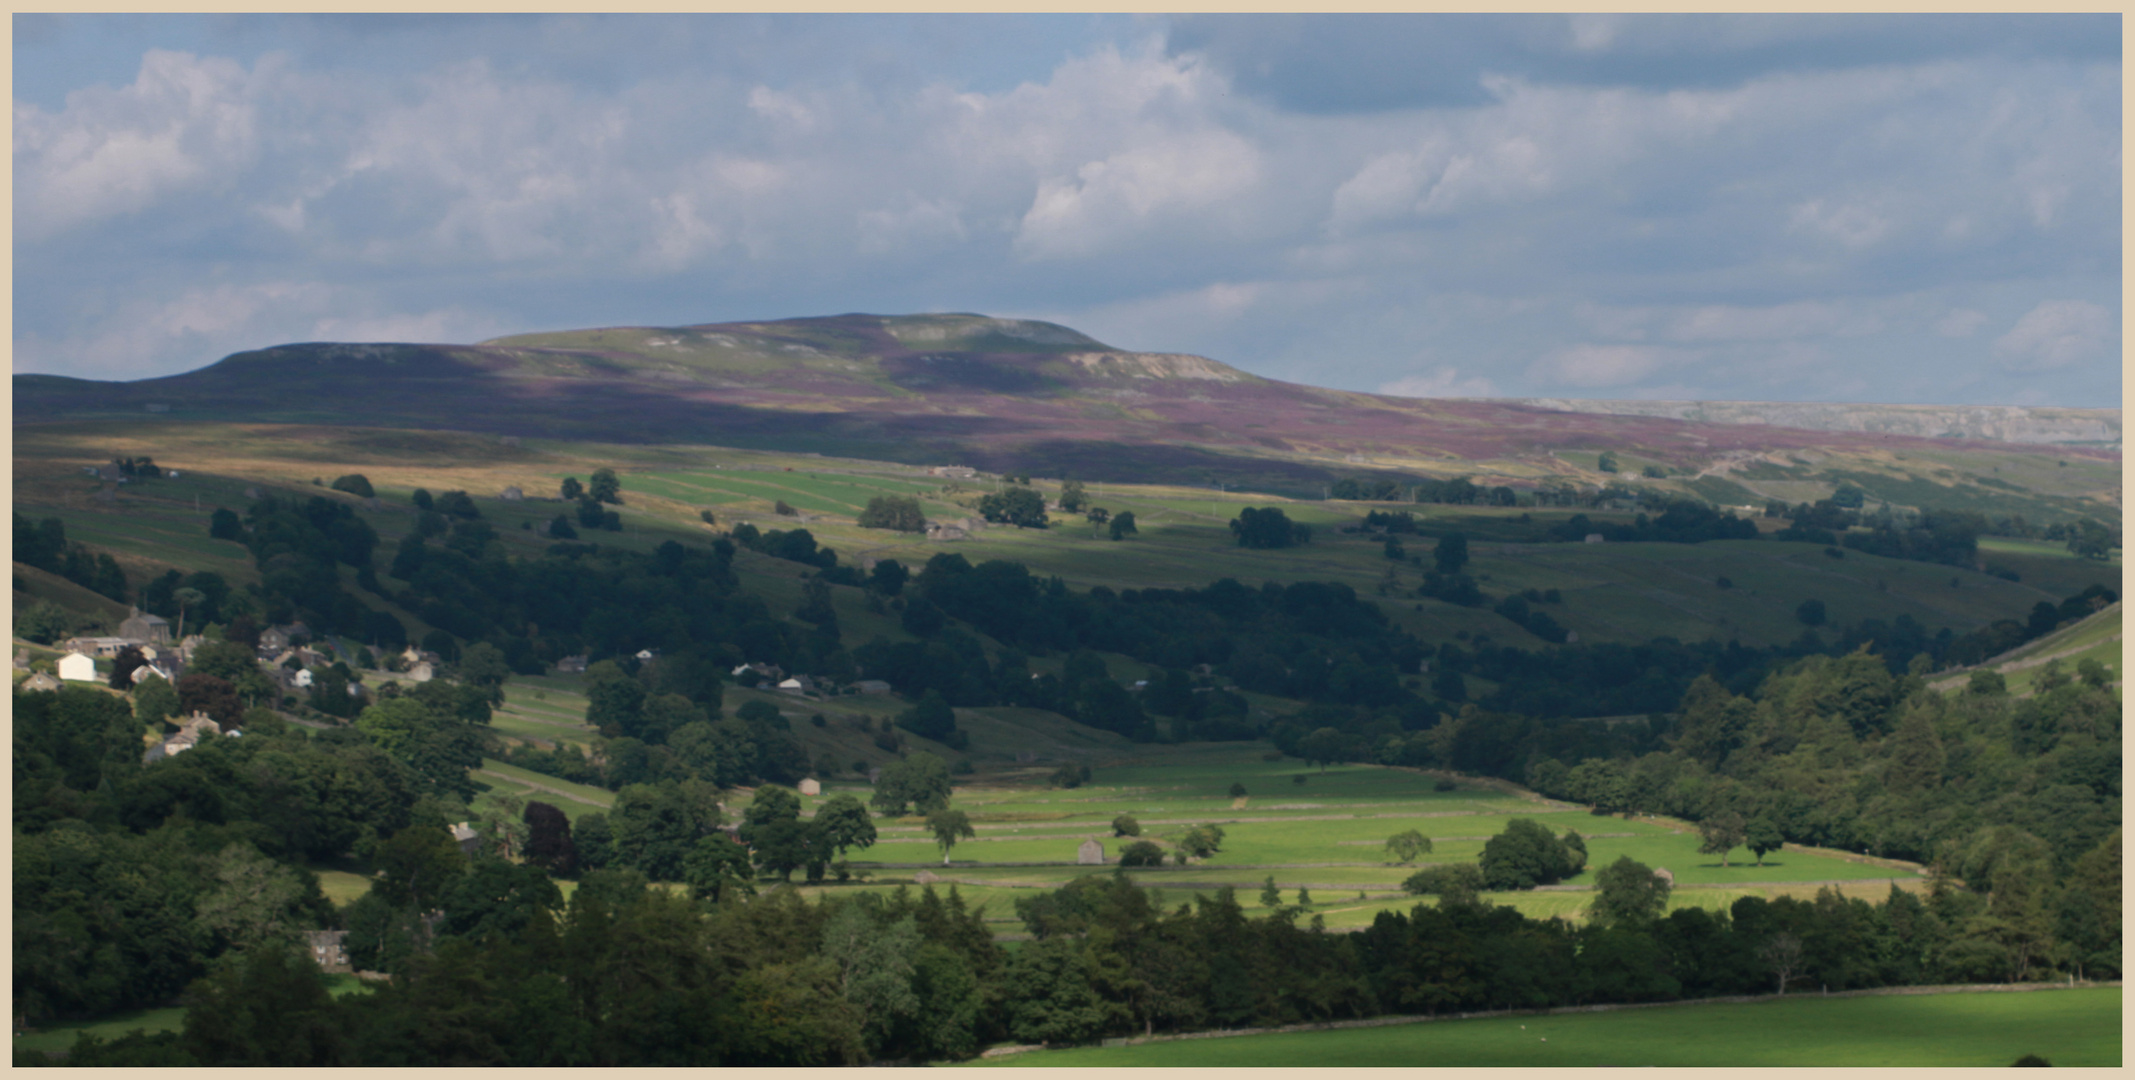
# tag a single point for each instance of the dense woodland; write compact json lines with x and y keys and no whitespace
{"x":185,"y":878}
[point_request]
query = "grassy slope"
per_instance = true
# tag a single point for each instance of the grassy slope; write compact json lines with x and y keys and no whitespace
{"x":2079,"y":1027}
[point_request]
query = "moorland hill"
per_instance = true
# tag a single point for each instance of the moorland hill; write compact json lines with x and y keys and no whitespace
{"x":999,"y":394}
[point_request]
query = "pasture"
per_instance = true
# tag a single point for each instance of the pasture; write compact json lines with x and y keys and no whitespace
{"x":1326,"y":835}
{"x":2075,"y":1027}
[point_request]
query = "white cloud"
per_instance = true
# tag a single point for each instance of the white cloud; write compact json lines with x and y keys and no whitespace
{"x":183,"y":123}
{"x":1850,"y":224}
{"x":1960,"y":323}
{"x":1593,"y":367}
{"x":1443,"y":381}
{"x":2057,"y":334}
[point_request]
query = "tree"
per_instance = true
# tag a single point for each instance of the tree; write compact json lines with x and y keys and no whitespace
{"x":1405,"y":846}
{"x":1811,"y":613}
{"x":154,"y":700}
{"x":1072,"y":496}
{"x":224,"y":524}
{"x":571,"y":490}
{"x":484,"y":665}
{"x":716,"y":868}
{"x":920,"y":781}
{"x":1125,"y":825}
{"x":1721,"y":833}
{"x":948,"y":826}
{"x":1525,"y":855}
{"x":560,"y":528}
{"x":1141,"y":853}
{"x":888,"y":577}
{"x":1202,"y":841}
{"x":932,"y":718}
{"x":845,"y":823}
{"x":1237,"y":790}
{"x":1451,"y":553}
{"x":1270,"y":896}
{"x":1762,"y":835}
{"x":1018,"y":506}
{"x":548,"y":840}
{"x":1629,"y":893}
{"x":1267,"y":528}
{"x":1607,"y":462}
{"x":1782,"y":953}
{"x":1454,"y":885}
{"x":1123,"y":525}
{"x":355,"y":484}
{"x":605,"y":487}
{"x":123,"y":665}
{"x":898,"y":512}
{"x":1323,"y":746}
{"x":254,"y":900}
{"x":213,"y":696}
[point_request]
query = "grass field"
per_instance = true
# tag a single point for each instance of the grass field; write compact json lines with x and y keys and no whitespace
{"x":1326,"y":835}
{"x":2079,"y":1027}
{"x":172,"y":1018}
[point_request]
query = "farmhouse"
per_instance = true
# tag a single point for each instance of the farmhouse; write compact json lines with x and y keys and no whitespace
{"x":40,"y":681}
{"x":189,"y":734}
{"x":158,"y":670}
{"x":464,"y":835}
{"x":799,"y":684}
{"x":145,"y":628}
{"x":329,"y":949}
{"x":422,"y":672}
{"x":103,"y":647}
{"x":572,"y":665}
{"x":74,"y":667}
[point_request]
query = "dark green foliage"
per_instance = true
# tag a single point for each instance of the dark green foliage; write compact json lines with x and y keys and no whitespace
{"x":1122,"y":525}
{"x":897,"y":512}
{"x":1018,"y":506}
{"x":1268,"y":528}
{"x":920,"y":782}
{"x":930,"y":719}
{"x":605,"y":487}
{"x":1141,"y":853}
{"x":1629,"y":893}
{"x":1526,"y":855}
{"x":355,"y":484}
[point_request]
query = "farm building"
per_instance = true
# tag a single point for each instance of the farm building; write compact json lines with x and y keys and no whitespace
{"x":811,"y":787}
{"x":422,"y":672}
{"x":158,"y":670}
{"x":944,"y":532}
{"x":75,"y":667}
{"x":872,"y":686}
{"x":959,"y":472}
{"x":40,"y":681}
{"x":571,"y":665}
{"x":145,"y":628}
{"x":1091,"y":853}
{"x":104,"y":647}
{"x":512,"y":494}
{"x":464,"y":835}
{"x":799,"y":684}
{"x":329,"y":949}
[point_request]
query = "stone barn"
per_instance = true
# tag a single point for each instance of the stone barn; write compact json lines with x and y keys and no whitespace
{"x":1091,"y":853}
{"x":811,"y":787}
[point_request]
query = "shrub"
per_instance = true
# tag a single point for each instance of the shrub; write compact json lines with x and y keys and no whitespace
{"x":355,"y":484}
{"x":897,"y":512}
{"x":1125,"y":825}
{"x":1141,"y":853}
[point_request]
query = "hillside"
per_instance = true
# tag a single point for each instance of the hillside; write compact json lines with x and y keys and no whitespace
{"x":1013,"y":395}
{"x":2000,"y":423}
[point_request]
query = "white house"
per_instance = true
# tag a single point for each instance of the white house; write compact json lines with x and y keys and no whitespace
{"x":422,"y":672}
{"x":302,"y":679}
{"x":74,"y":667}
{"x":811,"y":787}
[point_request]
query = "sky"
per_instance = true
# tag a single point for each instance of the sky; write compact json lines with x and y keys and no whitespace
{"x":1912,"y":208}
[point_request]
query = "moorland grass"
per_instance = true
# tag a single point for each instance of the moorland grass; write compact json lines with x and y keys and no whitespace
{"x":2078,"y":1027}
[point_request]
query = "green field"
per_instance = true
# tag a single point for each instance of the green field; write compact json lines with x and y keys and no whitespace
{"x":1326,"y":835}
{"x":62,"y":1036}
{"x":2079,"y":1027}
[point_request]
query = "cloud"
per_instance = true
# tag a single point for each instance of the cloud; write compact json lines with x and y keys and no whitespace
{"x":1741,"y":206}
{"x":182,"y":123}
{"x":1590,"y":366}
{"x":1443,"y":381}
{"x":2057,"y":334}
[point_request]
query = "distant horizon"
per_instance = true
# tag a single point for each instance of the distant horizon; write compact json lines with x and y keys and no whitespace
{"x":1770,"y":208}
{"x":1522,"y":398}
